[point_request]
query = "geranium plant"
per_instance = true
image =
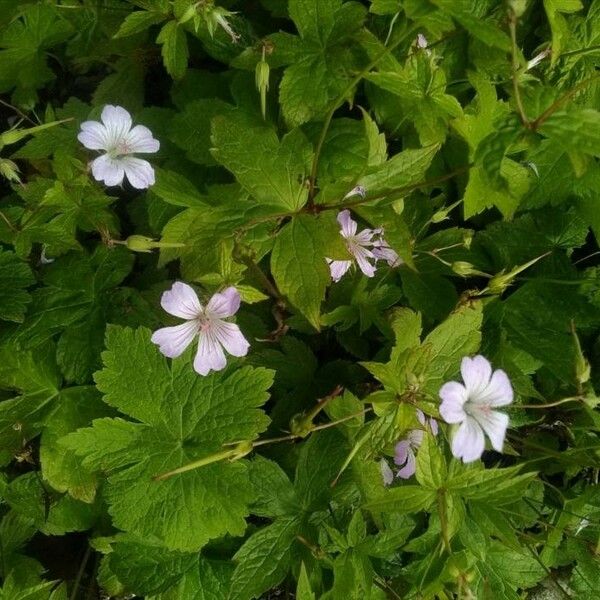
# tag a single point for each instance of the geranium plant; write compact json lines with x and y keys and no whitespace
{"x":299,"y":299}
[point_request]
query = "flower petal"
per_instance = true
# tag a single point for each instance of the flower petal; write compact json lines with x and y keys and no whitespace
{"x":401,"y":452}
{"x":338,"y":268}
{"x":454,"y":396}
{"x":364,"y":237}
{"x":108,"y":169}
{"x":231,"y":338}
{"x":468,"y":442}
{"x":476,"y":373}
{"x":347,"y":224}
{"x":495,"y":424}
{"x":172,"y":341}
{"x":386,"y":473}
{"x":210,"y":355}
{"x":433,"y":425}
{"x":408,"y":470}
{"x":139,"y":172}
{"x":498,"y":392}
{"x":362,"y":254}
{"x":140,"y":139}
{"x":382,"y":251}
{"x":181,"y":301}
{"x":224,"y":304}
{"x":93,"y":135}
{"x":117,"y":121}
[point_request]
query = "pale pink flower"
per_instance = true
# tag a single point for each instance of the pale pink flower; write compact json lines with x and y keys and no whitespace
{"x":206,"y":323}
{"x":119,"y":141}
{"x":358,"y":245}
{"x":382,"y":251}
{"x":472,"y":405}
{"x":404,"y":455}
{"x":404,"y":452}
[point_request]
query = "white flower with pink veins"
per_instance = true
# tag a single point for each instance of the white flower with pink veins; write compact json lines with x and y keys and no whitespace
{"x":120,"y":142}
{"x":203,"y":322}
{"x":366,"y":247}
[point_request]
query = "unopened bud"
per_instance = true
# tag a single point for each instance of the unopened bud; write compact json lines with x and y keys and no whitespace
{"x":219,"y":16}
{"x":439,"y":216}
{"x":463,"y":268}
{"x":242,"y":449}
{"x":301,"y":425}
{"x":142,"y":243}
{"x":262,"y":73}
{"x":499,"y":283}
{"x":582,"y":366}
{"x":359,"y":190}
{"x":9,"y":170}
{"x":190,"y":13}
{"x":467,"y":238}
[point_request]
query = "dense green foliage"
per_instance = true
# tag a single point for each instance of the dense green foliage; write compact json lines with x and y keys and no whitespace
{"x":472,"y":128}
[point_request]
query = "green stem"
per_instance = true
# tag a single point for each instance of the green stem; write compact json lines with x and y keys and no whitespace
{"x":8,"y":222}
{"x":206,"y":460}
{"x":441,"y":500}
{"x":235,"y":453}
{"x":80,"y":572}
{"x":552,"y":404}
{"x":558,"y":103}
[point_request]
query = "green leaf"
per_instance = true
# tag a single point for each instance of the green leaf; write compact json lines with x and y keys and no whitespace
{"x":190,"y":129}
{"x":314,"y":475}
{"x":431,"y":466}
{"x":34,"y":376}
{"x":402,"y":170}
{"x":274,"y":172}
{"x":182,"y":418}
{"x":458,"y":336}
{"x":274,"y":494}
{"x":468,"y":13}
{"x":138,"y":21}
{"x":148,"y":569}
{"x":558,"y":24}
{"x":15,"y":277}
{"x":298,"y":263}
{"x":577,"y":129}
{"x":264,"y":559}
{"x":497,"y":486}
{"x":60,"y":467}
{"x":304,"y":589}
{"x":175,"y":189}
{"x":174,"y":49}
{"x":407,"y":498}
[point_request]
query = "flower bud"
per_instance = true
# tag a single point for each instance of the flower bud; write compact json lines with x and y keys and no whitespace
{"x":439,"y":216}
{"x":190,"y":13}
{"x":9,"y":170}
{"x":241,"y":450}
{"x":301,"y":425}
{"x":142,"y":243}
{"x":467,"y":238}
{"x":582,"y":366}
{"x":499,"y":283}
{"x":463,"y":268}
{"x":262,"y":82}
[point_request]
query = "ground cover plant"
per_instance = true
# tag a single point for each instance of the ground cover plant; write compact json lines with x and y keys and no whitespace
{"x":299,"y":299}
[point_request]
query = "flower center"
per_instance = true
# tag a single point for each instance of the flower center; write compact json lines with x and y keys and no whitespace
{"x":473,"y":408}
{"x":121,"y":149}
